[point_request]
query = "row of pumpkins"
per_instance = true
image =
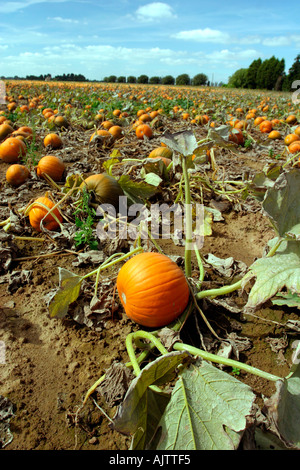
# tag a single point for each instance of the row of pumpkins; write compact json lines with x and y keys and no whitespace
{"x":152,"y":288}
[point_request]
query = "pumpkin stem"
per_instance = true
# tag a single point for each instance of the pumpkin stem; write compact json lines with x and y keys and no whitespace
{"x":188,"y":221}
{"x":225,"y":361}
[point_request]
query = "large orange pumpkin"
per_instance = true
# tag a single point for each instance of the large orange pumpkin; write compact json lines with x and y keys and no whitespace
{"x":104,"y":188}
{"x":153,"y":289}
{"x":52,"y":166}
{"x":38,"y":212}
{"x":11,"y":149}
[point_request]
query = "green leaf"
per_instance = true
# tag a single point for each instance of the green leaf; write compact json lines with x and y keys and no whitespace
{"x":207,"y":410}
{"x":153,"y":179}
{"x":281,"y":204}
{"x":136,"y":191}
{"x":183,"y":142}
{"x":273,"y":274}
{"x":284,"y":408}
{"x":141,"y":409}
{"x":288,"y":298}
{"x":68,"y":291}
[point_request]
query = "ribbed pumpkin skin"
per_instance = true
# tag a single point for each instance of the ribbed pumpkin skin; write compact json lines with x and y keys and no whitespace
{"x":11,"y":149}
{"x":161,"y":152}
{"x":106,"y":189}
{"x":51,"y":165}
{"x":153,"y":290}
{"x":37,"y":213}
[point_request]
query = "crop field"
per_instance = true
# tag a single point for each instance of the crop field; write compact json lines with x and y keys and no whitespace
{"x":150,"y":267}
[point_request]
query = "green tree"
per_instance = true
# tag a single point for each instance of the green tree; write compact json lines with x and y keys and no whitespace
{"x":252,"y":73}
{"x":131,"y":79}
{"x":292,"y":76}
{"x":154,"y":80}
{"x":143,"y":79}
{"x":121,"y":79}
{"x":269,"y":72}
{"x":168,"y":80}
{"x":238,"y":79}
{"x":200,"y":79}
{"x":183,"y":79}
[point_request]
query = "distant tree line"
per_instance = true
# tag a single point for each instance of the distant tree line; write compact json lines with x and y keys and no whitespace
{"x":266,"y":74}
{"x":183,"y":79}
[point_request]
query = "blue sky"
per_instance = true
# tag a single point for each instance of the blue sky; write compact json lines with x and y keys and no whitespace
{"x":102,"y":38}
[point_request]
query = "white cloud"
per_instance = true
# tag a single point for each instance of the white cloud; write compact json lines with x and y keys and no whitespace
{"x":277,"y":41}
{"x":63,"y":20}
{"x":225,"y":54}
{"x":204,"y":35}
{"x":11,"y":7}
{"x":155,"y":11}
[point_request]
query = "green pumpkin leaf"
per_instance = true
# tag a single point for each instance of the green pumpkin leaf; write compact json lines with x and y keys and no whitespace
{"x":142,"y":408}
{"x":136,"y":191}
{"x":68,"y":291}
{"x":275,"y":273}
{"x":281,"y":204}
{"x":283,"y":408}
{"x":183,"y":142}
{"x":207,"y":410}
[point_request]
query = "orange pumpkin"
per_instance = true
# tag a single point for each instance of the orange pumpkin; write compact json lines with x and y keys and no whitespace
{"x":11,"y":149}
{"x":237,"y":137}
{"x":53,"y":140}
{"x":115,"y":131}
{"x":17,"y":174}
{"x":59,"y":121}
{"x":143,"y":130}
{"x":265,"y":126}
{"x":291,"y":119}
{"x":274,"y":135}
{"x":104,"y":188}
{"x":294,"y":147}
{"x":153,"y":289}
{"x":38,"y":214}
{"x":5,"y":130}
{"x":290,"y":138}
{"x":52,"y":166}
{"x":161,"y":152}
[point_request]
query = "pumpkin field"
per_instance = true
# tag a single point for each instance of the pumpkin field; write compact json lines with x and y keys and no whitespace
{"x":150,"y":268}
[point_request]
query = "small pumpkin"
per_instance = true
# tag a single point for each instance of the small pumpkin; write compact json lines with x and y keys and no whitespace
{"x":38,"y":212}
{"x":53,"y":140}
{"x":104,"y":189}
{"x":161,"y":152}
{"x":143,"y":130}
{"x":5,"y":130}
{"x":236,"y":136}
{"x":265,"y":126}
{"x":294,"y":147}
{"x":290,"y":138}
{"x":60,"y":121}
{"x":11,"y":149}
{"x":274,"y":135}
{"x":52,"y":166}
{"x":17,"y":174}
{"x":153,"y":289}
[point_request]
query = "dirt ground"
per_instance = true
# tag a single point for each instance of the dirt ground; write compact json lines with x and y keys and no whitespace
{"x":51,"y":363}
